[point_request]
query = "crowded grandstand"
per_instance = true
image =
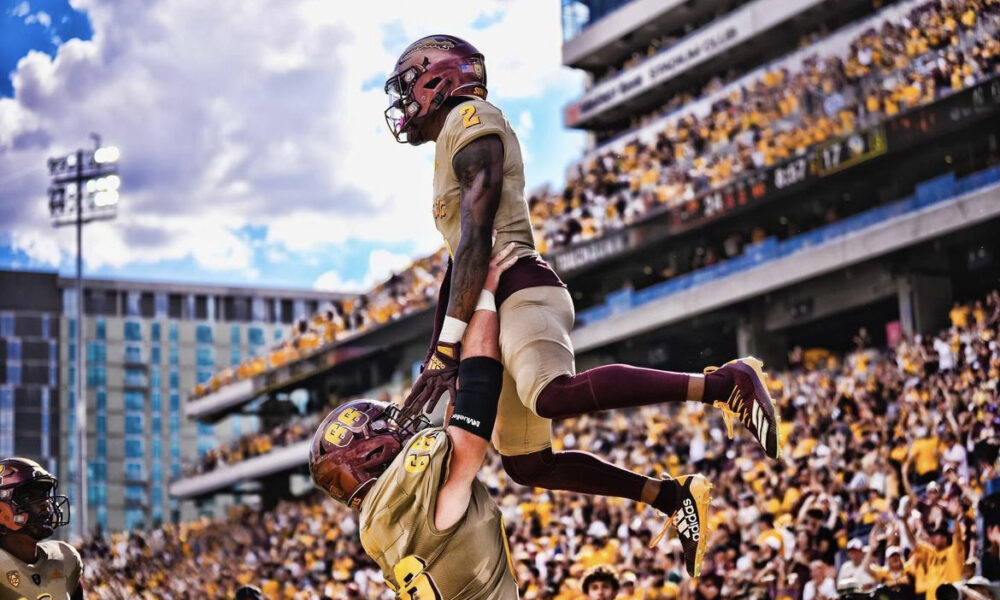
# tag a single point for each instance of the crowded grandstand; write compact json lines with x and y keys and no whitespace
{"x":888,"y":453}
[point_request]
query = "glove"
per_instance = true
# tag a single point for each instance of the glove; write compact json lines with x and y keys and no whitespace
{"x":438,"y":377}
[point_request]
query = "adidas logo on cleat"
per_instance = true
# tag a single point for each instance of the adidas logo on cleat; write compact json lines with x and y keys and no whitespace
{"x":687,"y":524}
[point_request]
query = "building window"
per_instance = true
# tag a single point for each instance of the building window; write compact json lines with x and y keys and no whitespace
{"x":102,"y":447}
{"x":134,"y":471}
{"x":155,"y":402}
{"x":133,"y":448}
{"x":203,"y":375}
{"x":101,"y":424}
{"x":53,"y":352}
{"x":45,"y":326}
{"x":255,"y":335}
{"x":133,"y":331}
{"x":258,"y":310}
{"x":159,"y":305}
{"x":54,"y":375}
{"x":174,"y":379}
{"x":278,"y":333}
{"x":205,"y":357}
{"x":13,"y":349}
{"x":174,"y":356}
{"x":154,"y":355}
{"x":133,"y":424}
{"x":46,"y":421}
{"x":234,"y":357}
{"x":133,"y":354}
{"x":154,"y":332}
{"x":97,"y":352}
{"x":134,"y":518}
{"x":6,"y":324}
{"x":135,"y":378}
{"x":6,"y":421}
{"x":157,"y":427}
{"x":134,"y":400}
{"x":72,"y":329}
{"x":132,"y":304}
{"x":101,"y":326}
{"x":175,"y":402}
{"x":69,"y":302}
{"x":155,"y":381}
{"x":173,"y":332}
{"x":102,"y":400}
{"x":14,"y":373}
{"x":203,"y":334}
{"x":234,"y":335}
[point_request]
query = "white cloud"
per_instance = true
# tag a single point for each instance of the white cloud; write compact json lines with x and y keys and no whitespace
{"x":261,"y":120}
{"x":20,"y":10}
{"x":41,"y":17}
{"x":381,"y":265}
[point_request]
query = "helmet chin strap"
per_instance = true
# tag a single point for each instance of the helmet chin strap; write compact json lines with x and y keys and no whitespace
{"x":355,"y":499}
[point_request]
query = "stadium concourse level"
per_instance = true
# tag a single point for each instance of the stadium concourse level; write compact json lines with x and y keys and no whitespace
{"x":886,"y":451}
{"x":409,"y":291}
{"x":941,"y":47}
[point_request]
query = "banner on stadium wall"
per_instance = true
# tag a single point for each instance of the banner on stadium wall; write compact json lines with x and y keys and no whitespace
{"x":831,"y":157}
{"x":687,"y":53}
{"x":708,"y":42}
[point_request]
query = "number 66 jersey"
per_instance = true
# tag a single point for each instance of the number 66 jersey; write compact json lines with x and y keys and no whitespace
{"x":468,"y":561}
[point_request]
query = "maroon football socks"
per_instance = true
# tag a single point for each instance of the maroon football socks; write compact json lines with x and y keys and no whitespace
{"x":622,"y":386}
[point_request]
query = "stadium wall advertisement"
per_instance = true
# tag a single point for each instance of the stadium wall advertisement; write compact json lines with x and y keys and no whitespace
{"x":700,"y":46}
{"x":834,"y":156}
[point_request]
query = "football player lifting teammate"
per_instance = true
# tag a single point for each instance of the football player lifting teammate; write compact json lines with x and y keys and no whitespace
{"x":425,"y":518}
{"x":437,"y":93}
{"x":30,"y":512}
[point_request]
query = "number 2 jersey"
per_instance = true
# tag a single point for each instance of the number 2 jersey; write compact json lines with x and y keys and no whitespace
{"x":468,"y":561}
{"x":55,"y":576}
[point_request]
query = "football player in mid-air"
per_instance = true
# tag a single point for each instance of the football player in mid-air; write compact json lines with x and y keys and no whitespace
{"x":30,"y":512}
{"x":426,"y":519}
{"x":437,"y":93}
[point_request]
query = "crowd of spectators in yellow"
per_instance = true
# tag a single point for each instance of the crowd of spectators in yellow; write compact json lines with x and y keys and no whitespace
{"x":886,"y":455}
{"x":411,"y":290}
{"x":938,"y":48}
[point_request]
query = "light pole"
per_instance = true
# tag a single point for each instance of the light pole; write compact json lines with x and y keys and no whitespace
{"x":84,"y":189}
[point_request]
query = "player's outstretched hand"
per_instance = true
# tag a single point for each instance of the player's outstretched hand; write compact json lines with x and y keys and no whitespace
{"x":499,"y":264}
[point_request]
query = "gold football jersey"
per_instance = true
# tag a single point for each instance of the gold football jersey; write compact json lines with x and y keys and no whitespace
{"x":468,"y":561}
{"x":465,"y":123}
{"x":54,"y":577}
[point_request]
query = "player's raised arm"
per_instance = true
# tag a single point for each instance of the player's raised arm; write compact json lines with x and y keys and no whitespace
{"x":479,"y":169}
{"x":480,"y":377}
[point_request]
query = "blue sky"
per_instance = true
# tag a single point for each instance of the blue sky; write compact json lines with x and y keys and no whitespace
{"x":288,"y":178}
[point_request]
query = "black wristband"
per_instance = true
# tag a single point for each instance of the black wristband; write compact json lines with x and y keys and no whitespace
{"x":479,"y":381}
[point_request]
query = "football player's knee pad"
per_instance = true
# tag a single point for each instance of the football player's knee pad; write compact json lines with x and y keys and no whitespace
{"x":529,"y":469}
{"x":480,"y":379}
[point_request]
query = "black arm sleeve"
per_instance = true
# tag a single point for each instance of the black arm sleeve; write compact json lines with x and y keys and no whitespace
{"x":480,"y":379}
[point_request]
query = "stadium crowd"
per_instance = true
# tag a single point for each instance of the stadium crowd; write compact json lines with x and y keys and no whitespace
{"x":886,"y":455}
{"x":411,"y":290}
{"x":940,"y":47}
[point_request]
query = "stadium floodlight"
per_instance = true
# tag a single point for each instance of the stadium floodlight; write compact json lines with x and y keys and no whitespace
{"x":84,"y":188}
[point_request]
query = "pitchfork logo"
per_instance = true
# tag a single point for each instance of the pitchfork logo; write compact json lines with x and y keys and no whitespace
{"x":688,"y":525}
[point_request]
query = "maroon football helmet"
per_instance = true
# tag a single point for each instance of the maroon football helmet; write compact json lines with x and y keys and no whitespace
{"x":28,"y":502}
{"x":354,"y":445}
{"x":429,"y":71}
